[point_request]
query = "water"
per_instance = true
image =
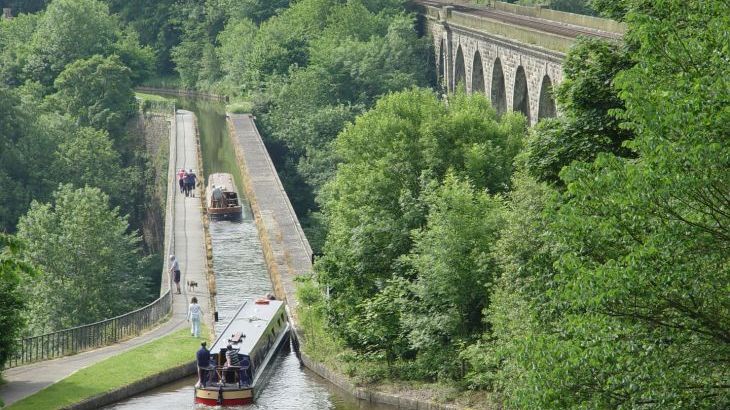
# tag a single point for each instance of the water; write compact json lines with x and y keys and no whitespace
{"x":238,"y":263}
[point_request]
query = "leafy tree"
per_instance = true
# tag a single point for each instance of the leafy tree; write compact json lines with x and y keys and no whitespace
{"x":233,"y":52}
{"x":188,"y":54}
{"x":91,"y":264}
{"x":98,"y":92}
{"x":14,"y":47}
{"x":454,"y":271}
{"x":139,"y":60}
{"x":379,"y":328}
{"x":89,"y":158}
{"x":12,"y":302}
{"x":638,"y":311}
{"x":257,"y":11}
{"x":26,"y":148}
{"x":69,"y":30}
{"x":589,"y":101}
{"x":156,"y":22}
{"x":374,"y":201}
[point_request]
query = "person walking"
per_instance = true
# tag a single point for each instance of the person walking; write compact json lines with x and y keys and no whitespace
{"x":175,"y":272}
{"x":181,"y":180}
{"x":194,"y":314}
{"x":190,"y":179}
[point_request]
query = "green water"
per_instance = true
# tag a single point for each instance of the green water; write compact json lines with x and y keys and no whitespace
{"x":217,"y":150}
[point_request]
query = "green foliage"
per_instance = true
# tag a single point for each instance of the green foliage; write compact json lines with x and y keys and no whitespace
{"x":69,"y":30}
{"x":26,"y":150}
{"x":621,"y":302}
{"x":256,"y":10}
{"x":320,"y":342}
{"x":12,"y":302}
{"x":234,"y":52}
{"x":379,"y":328}
{"x":91,"y":265}
{"x":157,"y":25}
{"x":79,"y":95}
{"x":88,"y":158}
{"x":589,"y":100}
{"x":395,"y":159}
{"x":451,"y":292}
{"x":15,"y":47}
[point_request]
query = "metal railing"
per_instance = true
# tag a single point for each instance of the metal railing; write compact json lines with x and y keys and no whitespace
{"x":85,"y":337}
{"x":78,"y":339}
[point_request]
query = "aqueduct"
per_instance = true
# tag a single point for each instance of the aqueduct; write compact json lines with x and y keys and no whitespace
{"x":512,"y":54}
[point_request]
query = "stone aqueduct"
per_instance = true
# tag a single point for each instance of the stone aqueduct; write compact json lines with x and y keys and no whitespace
{"x":514,"y":74}
{"x":514,"y":77}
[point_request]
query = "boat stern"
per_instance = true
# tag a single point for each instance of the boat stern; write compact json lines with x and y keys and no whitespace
{"x":223,"y":395}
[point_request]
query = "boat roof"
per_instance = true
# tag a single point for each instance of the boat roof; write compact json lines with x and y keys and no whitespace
{"x":222,"y":179}
{"x":251,"y":320}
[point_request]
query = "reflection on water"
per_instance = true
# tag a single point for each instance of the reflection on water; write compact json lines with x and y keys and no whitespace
{"x":238,"y":263}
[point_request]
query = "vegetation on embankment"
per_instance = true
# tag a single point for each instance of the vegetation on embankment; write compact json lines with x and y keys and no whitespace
{"x":115,"y":372}
{"x":77,"y":176}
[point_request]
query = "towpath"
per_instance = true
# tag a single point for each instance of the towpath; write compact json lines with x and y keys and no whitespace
{"x":285,"y":246}
{"x":189,"y":240}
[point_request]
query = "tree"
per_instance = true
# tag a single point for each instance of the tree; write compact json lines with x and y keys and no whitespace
{"x":589,"y":101}
{"x":88,"y":158}
{"x":91,"y":265}
{"x":27,"y":143}
{"x":409,"y":140}
{"x":233,"y":52}
{"x":98,"y":92}
{"x":15,"y":48}
{"x":12,"y":302}
{"x":454,"y":271}
{"x":69,"y":30}
{"x":639,"y":314}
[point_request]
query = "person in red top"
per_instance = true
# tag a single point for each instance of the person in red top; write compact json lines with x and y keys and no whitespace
{"x":181,"y":179}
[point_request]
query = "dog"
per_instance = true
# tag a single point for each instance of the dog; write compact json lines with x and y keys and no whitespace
{"x":192,"y":285}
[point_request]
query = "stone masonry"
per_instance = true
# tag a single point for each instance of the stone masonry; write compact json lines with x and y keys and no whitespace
{"x":462,"y":49}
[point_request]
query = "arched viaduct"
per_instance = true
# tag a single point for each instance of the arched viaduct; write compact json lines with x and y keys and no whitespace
{"x":512,"y":57}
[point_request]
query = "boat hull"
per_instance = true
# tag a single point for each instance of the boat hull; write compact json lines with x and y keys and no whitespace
{"x":232,"y":212}
{"x":224,"y":397}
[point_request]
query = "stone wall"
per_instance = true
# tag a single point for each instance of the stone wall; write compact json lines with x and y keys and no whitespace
{"x":537,"y":63}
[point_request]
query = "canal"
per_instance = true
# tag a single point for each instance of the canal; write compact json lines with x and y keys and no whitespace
{"x":240,"y":271}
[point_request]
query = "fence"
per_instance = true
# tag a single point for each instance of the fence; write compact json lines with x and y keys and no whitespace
{"x":103,"y":333}
{"x":77,"y":339}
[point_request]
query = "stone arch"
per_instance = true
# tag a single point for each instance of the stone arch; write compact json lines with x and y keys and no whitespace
{"x":498,"y":93}
{"x":546,"y":105}
{"x":477,"y":74}
{"x":459,"y":70}
{"x":521,"y":95}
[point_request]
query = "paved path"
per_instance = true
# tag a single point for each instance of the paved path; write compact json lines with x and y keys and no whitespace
{"x":189,"y":247}
{"x":281,"y":233}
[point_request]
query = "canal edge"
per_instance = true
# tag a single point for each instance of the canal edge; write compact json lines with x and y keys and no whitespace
{"x":210,"y":275}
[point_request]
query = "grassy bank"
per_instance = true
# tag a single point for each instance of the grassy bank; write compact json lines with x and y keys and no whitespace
{"x":153,"y":97}
{"x":115,"y":372}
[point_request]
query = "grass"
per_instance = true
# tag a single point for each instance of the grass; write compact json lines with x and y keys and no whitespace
{"x":152,"y":97}
{"x":115,"y":372}
{"x":240,"y":107}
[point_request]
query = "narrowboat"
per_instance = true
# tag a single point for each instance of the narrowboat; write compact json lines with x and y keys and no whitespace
{"x":257,"y":331}
{"x":221,"y":197}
